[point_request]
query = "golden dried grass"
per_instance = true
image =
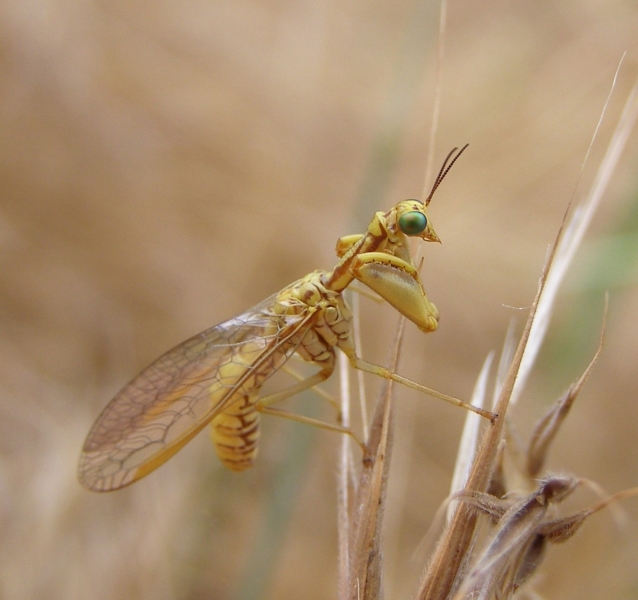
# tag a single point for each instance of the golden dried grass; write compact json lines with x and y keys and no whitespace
{"x":164,"y":167}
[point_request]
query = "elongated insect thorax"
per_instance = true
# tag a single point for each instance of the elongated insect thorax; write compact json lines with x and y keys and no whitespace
{"x":324,"y":324}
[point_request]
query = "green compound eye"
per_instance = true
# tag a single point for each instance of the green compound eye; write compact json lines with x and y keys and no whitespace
{"x":413,"y":223}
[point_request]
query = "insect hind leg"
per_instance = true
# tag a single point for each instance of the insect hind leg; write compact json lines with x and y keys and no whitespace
{"x":315,"y":388}
{"x":362,"y":365}
{"x":264,"y":405}
{"x":299,"y":387}
{"x":266,"y":410}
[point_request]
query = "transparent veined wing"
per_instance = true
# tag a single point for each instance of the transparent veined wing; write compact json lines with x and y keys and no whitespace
{"x":169,"y":402}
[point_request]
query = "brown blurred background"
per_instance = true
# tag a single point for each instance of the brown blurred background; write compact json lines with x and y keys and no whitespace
{"x":165,"y":165}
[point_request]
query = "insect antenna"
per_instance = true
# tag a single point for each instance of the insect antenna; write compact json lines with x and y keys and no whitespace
{"x":450,"y":159}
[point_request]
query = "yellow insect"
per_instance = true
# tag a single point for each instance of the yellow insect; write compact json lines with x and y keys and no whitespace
{"x":216,"y":377}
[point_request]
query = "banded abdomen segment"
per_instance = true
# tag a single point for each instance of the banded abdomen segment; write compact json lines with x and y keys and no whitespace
{"x":235,"y":433}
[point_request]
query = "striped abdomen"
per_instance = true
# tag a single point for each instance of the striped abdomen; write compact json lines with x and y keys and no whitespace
{"x":235,"y":433}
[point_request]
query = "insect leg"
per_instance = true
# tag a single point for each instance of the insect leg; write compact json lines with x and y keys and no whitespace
{"x":346,"y":242}
{"x":264,"y":405}
{"x":293,"y":390}
{"x":314,"y":422}
{"x":359,"y":363}
{"x":318,"y":390}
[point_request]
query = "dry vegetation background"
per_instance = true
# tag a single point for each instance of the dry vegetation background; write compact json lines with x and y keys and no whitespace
{"x":165,"y":165}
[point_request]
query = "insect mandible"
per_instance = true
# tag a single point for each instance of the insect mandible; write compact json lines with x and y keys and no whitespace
{"x":216,"y":376}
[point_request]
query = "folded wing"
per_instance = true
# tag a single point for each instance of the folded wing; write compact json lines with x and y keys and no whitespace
{"x":169,"y":402}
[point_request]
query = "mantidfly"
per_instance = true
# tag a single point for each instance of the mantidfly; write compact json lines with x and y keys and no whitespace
{"x":216,"y":377}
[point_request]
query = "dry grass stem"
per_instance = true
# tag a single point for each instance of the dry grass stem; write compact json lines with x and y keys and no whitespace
{"x":345,"y":485}
{"x":547,"y":427}
{"x":496,"y":573}
{"x":365,"y":580}
{"x":575,"y":228}
{"x":500,"y":570}
{"x":470,"y":435}
{"x":449,"y":559}
{"x":165,"y":166}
